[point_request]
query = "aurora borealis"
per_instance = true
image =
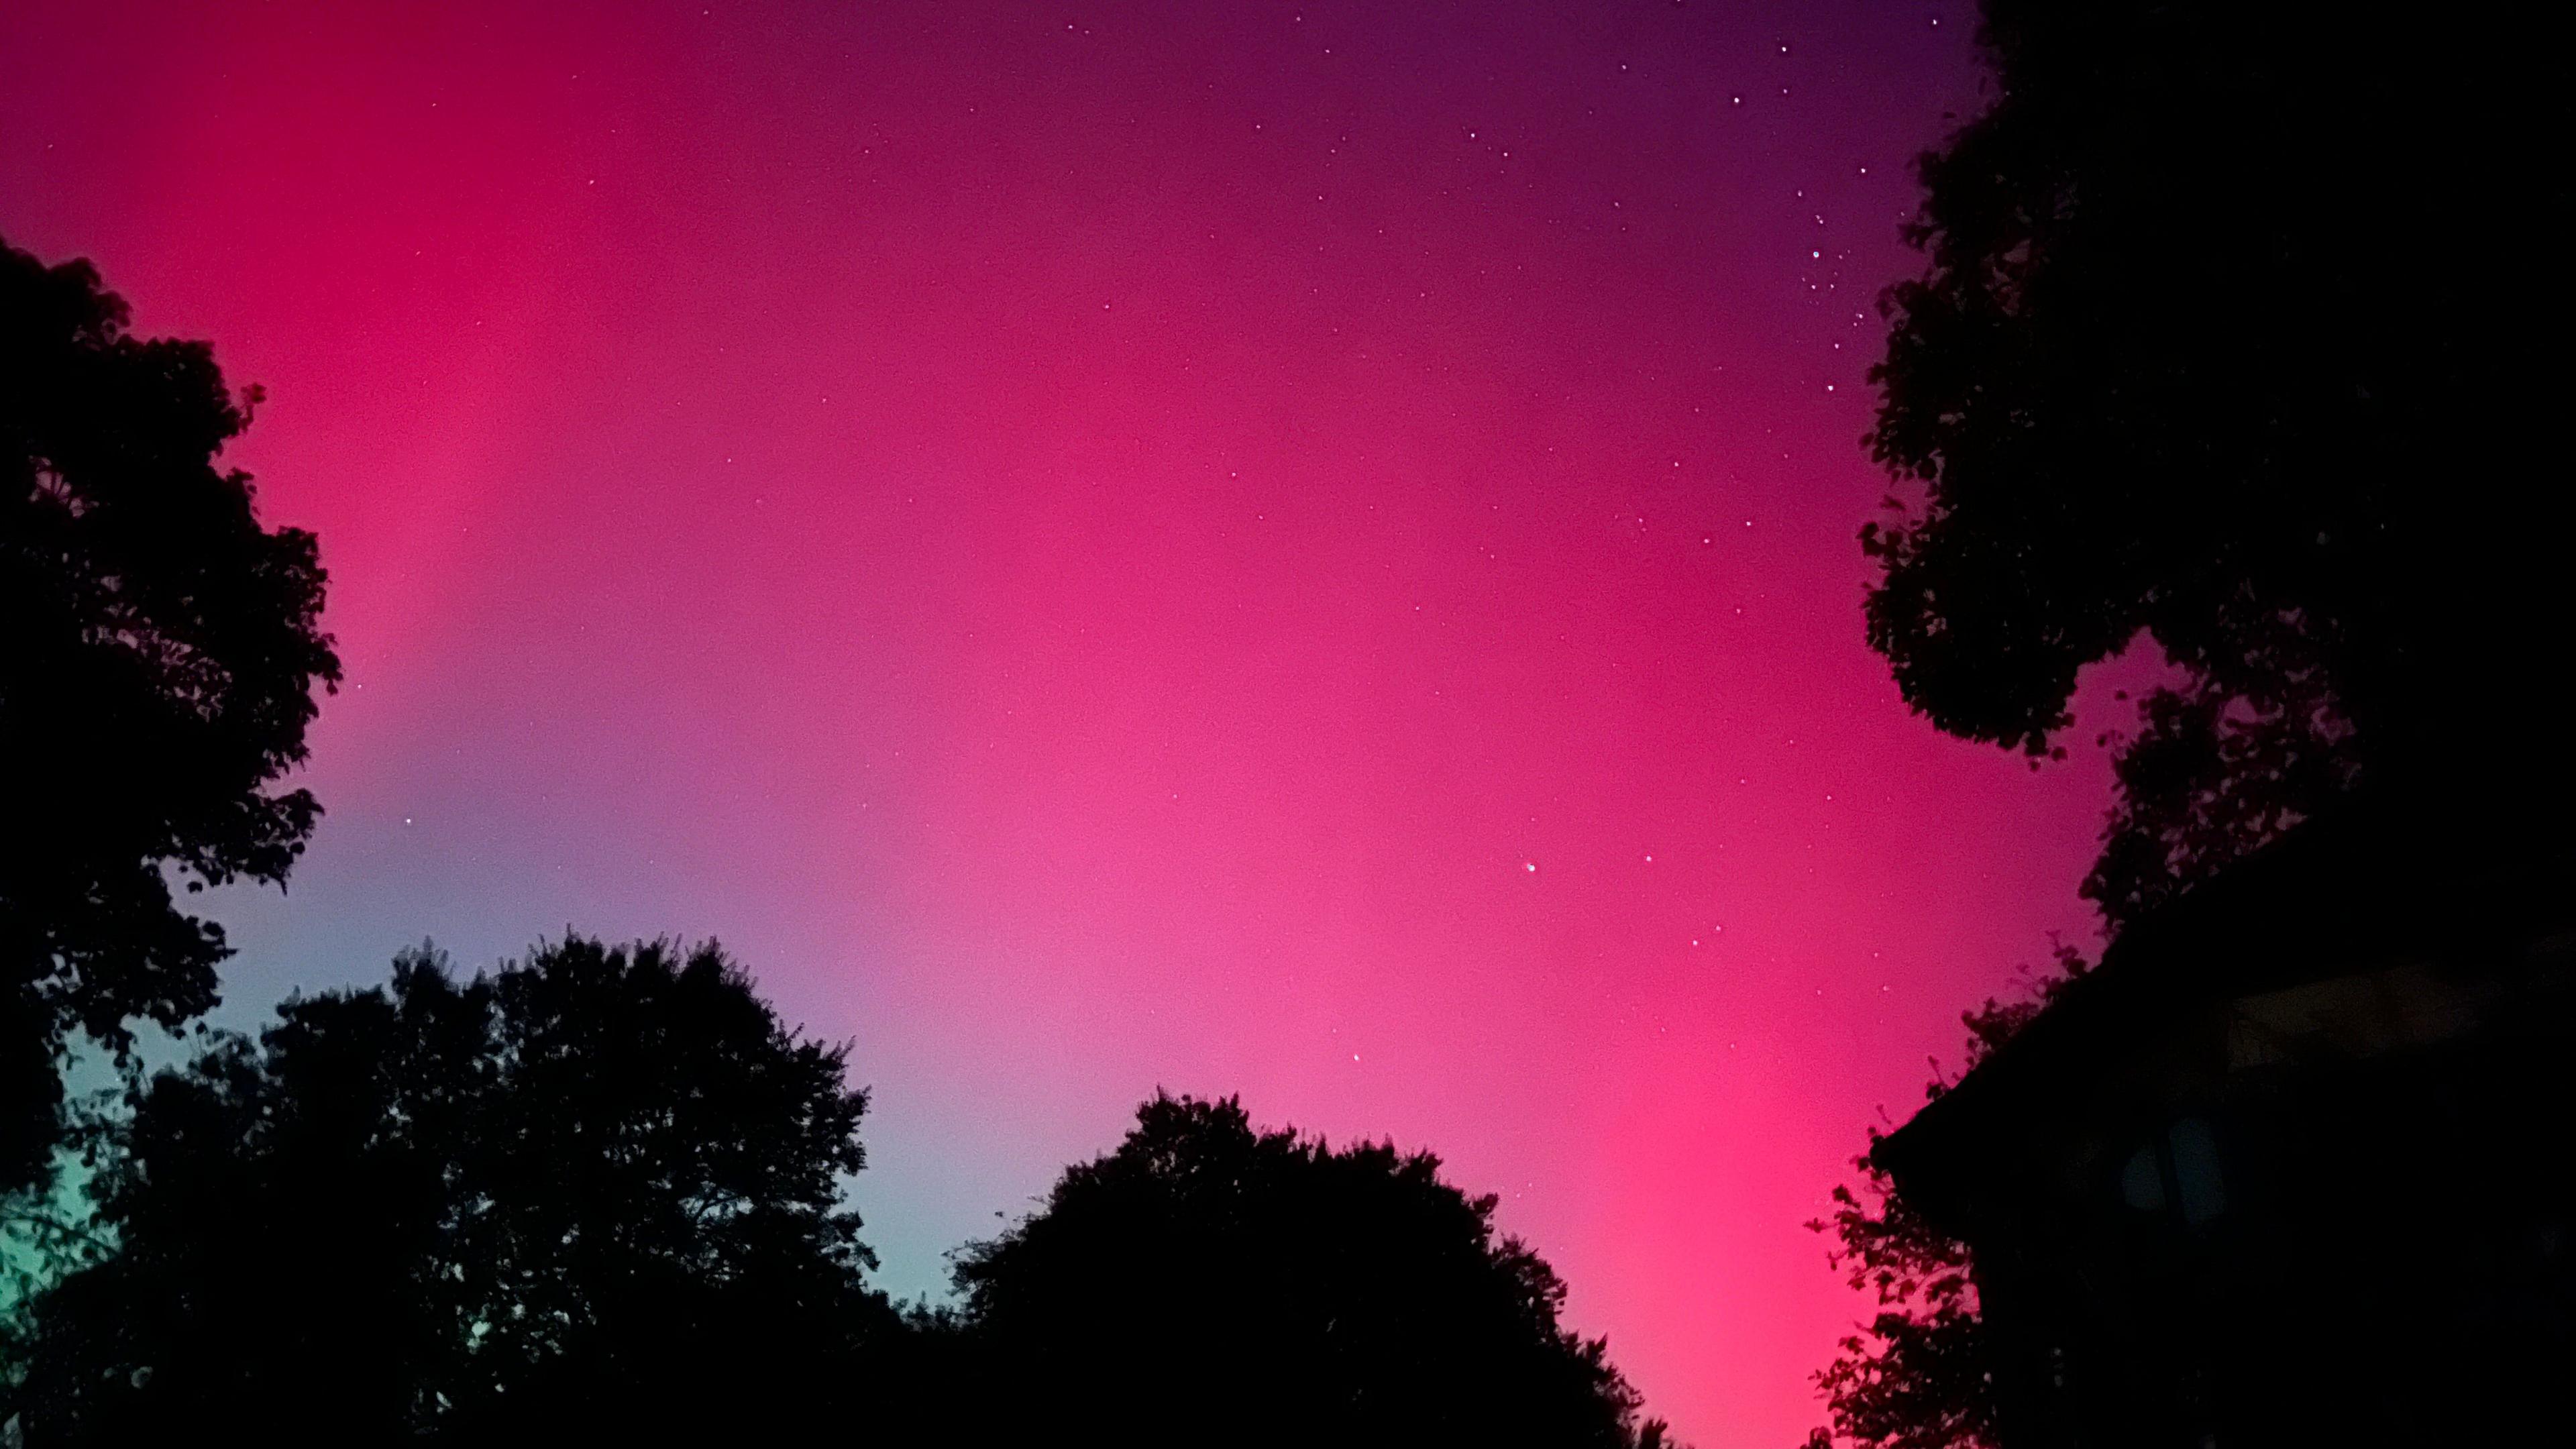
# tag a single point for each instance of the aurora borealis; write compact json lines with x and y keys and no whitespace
{"x":1293,"y":549}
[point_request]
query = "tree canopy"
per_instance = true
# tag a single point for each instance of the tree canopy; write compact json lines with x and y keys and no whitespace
{"x":599,"y":1195}
{"x":1208,"y":1282}
{"x":2206,"y":354}
{"x":598,"y":1191}
{"x":159,"y":650}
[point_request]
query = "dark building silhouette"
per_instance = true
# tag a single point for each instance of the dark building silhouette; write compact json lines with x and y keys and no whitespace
{"x":2291,"y":1166}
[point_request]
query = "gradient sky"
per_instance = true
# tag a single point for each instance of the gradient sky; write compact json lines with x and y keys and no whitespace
{"x":1300,"y":549}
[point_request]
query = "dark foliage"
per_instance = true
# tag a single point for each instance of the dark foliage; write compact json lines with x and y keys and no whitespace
{"x":158,"y":653}
{"x":2208,"y":352}
{"x":1918,"y":1374}
{"x":1208,"y":1283}
{"x":1915,"y":1376}
{"x":593,"y":1195}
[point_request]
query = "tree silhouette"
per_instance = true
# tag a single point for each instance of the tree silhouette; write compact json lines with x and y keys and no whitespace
{"x":158,"y":652}
{"x":596,"y":1193}
{"x":1209,"y":1283}
{"x":2196,"y":359}
{"x":1919,"y":1373}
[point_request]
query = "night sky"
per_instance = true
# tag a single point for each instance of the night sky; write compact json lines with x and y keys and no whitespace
{"x":1300,"y":549}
